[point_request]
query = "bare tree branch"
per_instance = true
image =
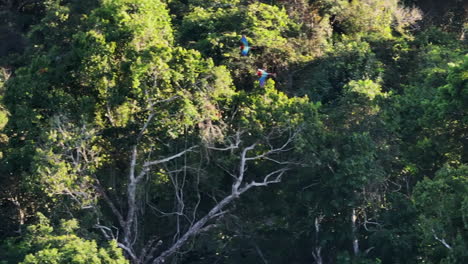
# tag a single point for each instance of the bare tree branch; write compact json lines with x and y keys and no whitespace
{"x":260,"y":253}
{"x":156,"y":162}
{"x":152,"y":114}
{"x":316,"y":252}
{"x":441,"y":240}
{"x":232,"y":146}
{"x":279,"y":173}
{"x":354,"y":232}
{"x":144,"y":254}
{"x":129,"y":251}
{"x":130,"y":233}
{"x":238,"y":187}
{"x":110,"y":204}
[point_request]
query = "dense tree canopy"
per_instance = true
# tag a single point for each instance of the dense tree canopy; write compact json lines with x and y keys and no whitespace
{"x":134,"y":131}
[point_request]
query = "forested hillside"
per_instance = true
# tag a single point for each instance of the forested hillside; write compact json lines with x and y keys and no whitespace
{"x":234,"y":131}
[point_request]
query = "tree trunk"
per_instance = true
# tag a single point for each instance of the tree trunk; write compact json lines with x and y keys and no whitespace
{"x":354,"y":233}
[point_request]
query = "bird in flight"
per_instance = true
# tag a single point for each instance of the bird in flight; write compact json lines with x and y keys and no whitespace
{"x":263,"y":76}
{"x":245,"y":48}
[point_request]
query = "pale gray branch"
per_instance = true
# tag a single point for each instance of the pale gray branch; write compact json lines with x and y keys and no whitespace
{"x":441,"y":240}
{"x":129,"y":251}
{"x":156,"y":162}
{"x":110,"y":204}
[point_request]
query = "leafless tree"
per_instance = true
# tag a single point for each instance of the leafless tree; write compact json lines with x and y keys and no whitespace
{"x":240,"y":184}
{"x":268,"y":148}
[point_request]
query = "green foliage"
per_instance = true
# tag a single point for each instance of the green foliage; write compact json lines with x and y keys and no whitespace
{"x":366,"y":88}
{"x":44,"y":244}
{"x":216,"y":32}
{"x":270,"y":108}
{"x":454,"y":95}
{"x":442,"y":205}
{"x":383,"y":140}
{"x":350,"y":60}
{"x":346,"y":258}
{"x":363,"y":17}
{"x":371,"y":19}
{"x":3,"y":113}
{"x":57,"y":166}
{"x":398,"y":240}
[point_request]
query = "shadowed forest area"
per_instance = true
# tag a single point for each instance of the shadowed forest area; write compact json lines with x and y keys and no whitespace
{"x":234,"y":131}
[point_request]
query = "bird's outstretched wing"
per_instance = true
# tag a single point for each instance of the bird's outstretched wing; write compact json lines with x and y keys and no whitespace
{"x":262,"y":80}
{"x":244,"y":41}
{"x":245,"y":46}
{"x":264,"y":76}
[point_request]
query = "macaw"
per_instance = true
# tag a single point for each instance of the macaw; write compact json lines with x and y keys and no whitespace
{"x":263,"y":76}
{"x":245,"y":46}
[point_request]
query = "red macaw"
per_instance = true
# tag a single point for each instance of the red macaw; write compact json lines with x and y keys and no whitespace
{"x":263,"y":76}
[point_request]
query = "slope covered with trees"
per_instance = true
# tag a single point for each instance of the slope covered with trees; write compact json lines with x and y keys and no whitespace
{"x":134,"y":131}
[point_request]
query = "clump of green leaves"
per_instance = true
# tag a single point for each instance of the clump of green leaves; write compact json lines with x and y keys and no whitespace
{"x":443,"y":206}
{"x":43,"y":243}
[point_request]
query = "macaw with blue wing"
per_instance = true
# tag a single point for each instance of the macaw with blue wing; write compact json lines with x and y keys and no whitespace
{"x":263,"y":76}
{"x":245,"y":46}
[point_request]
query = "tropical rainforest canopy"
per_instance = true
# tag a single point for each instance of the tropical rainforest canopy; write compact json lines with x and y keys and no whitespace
{"x":135,"y":131}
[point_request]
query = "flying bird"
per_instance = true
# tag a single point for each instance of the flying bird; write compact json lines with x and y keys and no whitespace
{"x":245,"y":46}
{"x":263,"y":76}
